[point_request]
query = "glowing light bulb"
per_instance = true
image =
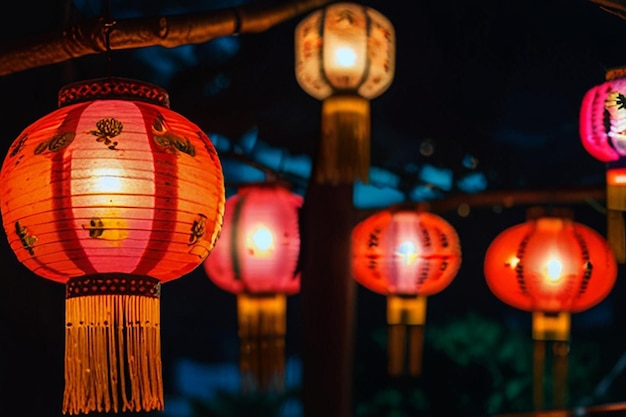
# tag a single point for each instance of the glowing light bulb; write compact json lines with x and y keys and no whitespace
{"x":261,"y":241}
{"x":513,"y":261}
{"x":107,"y":180}
{"x":407,"y":252}
{"x":554,"y":269}
{"x":345,"y":57}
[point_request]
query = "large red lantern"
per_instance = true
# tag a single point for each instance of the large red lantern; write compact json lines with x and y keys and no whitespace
{"x":257,"y":259}
{"x":603,"y":135}
{"x":406,"y":255}
{"x":112,"y":194}
{"x":550,"y":266}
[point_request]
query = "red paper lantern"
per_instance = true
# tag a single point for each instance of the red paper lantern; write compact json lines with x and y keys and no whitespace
{"x":406,"y":255}
{"x":257,"y":259}
{"x":550,"y":266}
{"x":112,"y":194}
{"x":603,"y":135}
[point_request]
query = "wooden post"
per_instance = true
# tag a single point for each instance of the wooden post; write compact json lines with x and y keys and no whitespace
{"x":327,"y":295}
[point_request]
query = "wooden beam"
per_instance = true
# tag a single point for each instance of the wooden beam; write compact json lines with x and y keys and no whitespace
{"x":616,"y":7}
{"x":89,"y":37}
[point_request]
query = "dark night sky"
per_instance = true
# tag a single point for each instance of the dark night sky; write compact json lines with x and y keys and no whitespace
{"x":498,"y":80}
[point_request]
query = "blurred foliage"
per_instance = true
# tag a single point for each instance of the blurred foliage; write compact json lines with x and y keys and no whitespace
{"x":473,"y":366}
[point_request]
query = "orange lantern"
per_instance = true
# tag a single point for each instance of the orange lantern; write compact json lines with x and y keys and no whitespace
{"x":112,"y":194}
{"x":406,"y":255}
{"x":345,"y":56}
{"x":257,"y":259}
{"x":603,"y":135}
{"x":550,"y":266}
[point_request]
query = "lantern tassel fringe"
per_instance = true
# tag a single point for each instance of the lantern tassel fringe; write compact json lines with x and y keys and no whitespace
{"x":345,"y":140}
{"x":406,"y":318}
{"x":262,"y":328}
{"x":112,"y":353}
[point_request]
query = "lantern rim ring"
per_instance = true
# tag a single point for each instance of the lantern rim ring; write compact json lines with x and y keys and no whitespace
{"x":110,"y":88}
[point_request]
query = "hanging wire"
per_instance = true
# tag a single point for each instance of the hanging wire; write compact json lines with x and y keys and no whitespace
{"x":109,"y":23}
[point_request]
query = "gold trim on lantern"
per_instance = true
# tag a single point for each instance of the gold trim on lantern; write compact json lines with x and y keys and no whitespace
{"x":113,"y":88}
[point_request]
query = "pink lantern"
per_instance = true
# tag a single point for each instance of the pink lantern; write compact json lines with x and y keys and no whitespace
{"x":257,"y":259}
{"x":603,"y":135}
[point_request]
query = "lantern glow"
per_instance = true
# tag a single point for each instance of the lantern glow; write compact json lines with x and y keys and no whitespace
{"x":103,"y":195}
{"x":407,"y":252}
{"x":256,"y":259}
{"x":345,"y":57}
{"x":405,"y":255}
{"x":550,"y":266}
{"x":261,"y":241}
{"x":554,"y":269}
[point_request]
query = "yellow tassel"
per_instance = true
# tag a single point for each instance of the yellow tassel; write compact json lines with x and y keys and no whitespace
{"x":616,"y":205}
{"x":112,"y":354}
{"x":344,"y":153}
{"x":615,"y":234}
{"x":262,"y":327}
{"x":406,"y":318}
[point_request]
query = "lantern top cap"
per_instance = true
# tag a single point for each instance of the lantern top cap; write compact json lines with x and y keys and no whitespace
{"x":109,"y":88}
{"x":537,"y":212}
{"x":615,"y":73}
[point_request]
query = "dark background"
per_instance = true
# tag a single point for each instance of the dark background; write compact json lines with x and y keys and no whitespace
{"x":484,"y":89}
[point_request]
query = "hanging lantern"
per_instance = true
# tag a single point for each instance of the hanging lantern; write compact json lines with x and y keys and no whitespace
{"x":550,"y":266}
{"x":603,"y":134}
{"x":406,"y":255}
{"x":345,"y":56}
{"x":257,"y":259}
{"x":112,"y":194}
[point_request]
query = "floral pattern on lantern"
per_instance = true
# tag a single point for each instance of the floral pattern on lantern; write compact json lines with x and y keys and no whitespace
{"x":345,"y":56}
{"x":112,"y":194}
{"x":406,"y":255}
{"x":603,"y":134}
{"x":257,"y":259}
